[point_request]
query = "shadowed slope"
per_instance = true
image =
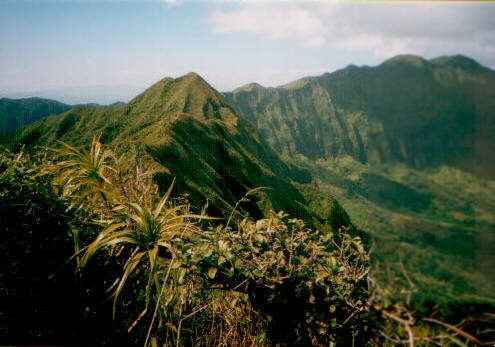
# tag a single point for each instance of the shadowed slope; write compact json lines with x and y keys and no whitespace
{"x":406,"y":110}
{"x":17,"y":113}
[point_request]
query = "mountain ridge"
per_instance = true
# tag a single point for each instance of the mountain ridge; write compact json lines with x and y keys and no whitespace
{"x":15,"y":113}
{"x":189,"y":131}
{"x":356,"y":134}
{"x":407,"y":109}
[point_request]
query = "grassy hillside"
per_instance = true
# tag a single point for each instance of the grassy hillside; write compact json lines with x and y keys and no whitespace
{"x":438,"y":223}
{"x":178,"y":210}
{"x":187,"y":130}
{"x":18,"y":113}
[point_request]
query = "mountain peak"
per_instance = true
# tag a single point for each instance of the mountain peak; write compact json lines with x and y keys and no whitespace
{"x":186,"y":96}
{"x":457,"y":61}
{"x":249,"y":87}
{"x":192,"y":74}
{"x":193,"y":77}
{"x":406,"y":59}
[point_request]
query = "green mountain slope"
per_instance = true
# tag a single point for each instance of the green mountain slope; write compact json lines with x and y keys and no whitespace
{"x":18,"y":113}
{"x":406,"y":110}
{"x":187,"y":130}
{"x":408,"y":148}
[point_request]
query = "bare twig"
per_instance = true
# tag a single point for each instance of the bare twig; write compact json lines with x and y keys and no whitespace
{"x":405,"y":322}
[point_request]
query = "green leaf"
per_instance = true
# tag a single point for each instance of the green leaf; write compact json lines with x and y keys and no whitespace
{"x":164,"y":199}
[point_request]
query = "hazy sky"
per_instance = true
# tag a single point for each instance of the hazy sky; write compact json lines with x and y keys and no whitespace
{"x":103,"y":51}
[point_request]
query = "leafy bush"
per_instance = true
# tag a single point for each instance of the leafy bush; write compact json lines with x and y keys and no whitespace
{"x":308,"y":288}
{"x":38,"y":290}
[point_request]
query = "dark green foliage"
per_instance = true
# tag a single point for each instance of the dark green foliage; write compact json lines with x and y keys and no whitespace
{"x":43,"y":300}
{"x":37,"y":278}
{"x":15,"y":114}
{"x":110,"y":132}
{"x":406,"y":110}
{"x":66,"y":124}
{"x":391,"y":194}
{"x":307,"y":285}
{"x":29,"y":141}
{"x":226,"y":167}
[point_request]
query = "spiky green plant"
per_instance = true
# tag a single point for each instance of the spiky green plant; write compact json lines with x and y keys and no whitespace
{"x":84,"y":174}
{"x":151,"y":233}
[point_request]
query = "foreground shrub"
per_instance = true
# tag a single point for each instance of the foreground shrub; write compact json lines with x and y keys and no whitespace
{"x":308,"y":288}
{"x":38,"y":291}
{"x":179,"y":279}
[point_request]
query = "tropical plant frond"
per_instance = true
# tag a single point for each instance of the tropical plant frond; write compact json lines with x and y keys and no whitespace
{"x":159,"y":207}
{"x":128,"y":270}
{"x":84,"y":174}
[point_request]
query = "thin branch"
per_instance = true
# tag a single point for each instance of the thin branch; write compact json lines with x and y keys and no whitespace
{"x":406,"y":323}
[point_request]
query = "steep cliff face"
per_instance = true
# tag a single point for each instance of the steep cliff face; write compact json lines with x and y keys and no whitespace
{"x":425,"y":113}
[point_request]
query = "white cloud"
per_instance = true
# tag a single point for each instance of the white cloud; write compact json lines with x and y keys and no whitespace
{"x":274,"y":20}
{"x":382,"y":47}
{"x":384,"y":29}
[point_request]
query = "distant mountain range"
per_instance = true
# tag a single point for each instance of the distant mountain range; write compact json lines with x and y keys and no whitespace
{"x":16,"y":113}
{"x":424,"y":113}
{"x":407,"y":147}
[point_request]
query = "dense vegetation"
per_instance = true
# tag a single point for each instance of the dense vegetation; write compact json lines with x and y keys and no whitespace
{"x":18,"y":113}
{"x":178,"y":278}
{"x":184,"y":279}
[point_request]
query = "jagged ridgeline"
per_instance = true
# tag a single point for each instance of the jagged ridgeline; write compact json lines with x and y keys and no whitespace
{"x":424,"y":113}
{"x":187,"y":130}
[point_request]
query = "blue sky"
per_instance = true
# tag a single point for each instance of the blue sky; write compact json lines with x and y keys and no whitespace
{"x":103,"y":51}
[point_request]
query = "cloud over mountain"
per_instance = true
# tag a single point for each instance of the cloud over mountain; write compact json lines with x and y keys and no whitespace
{"x":383,"y":29}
